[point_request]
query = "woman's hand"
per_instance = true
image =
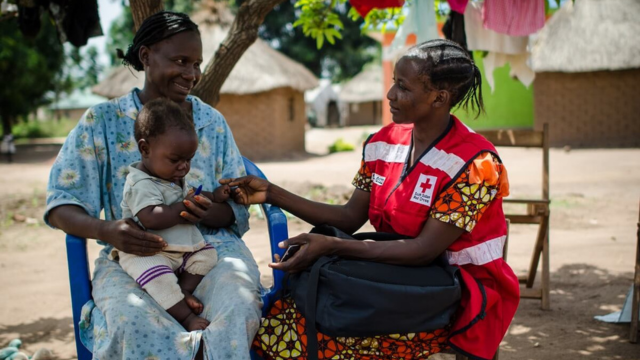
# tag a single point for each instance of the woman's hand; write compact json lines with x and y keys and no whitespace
{"x":313,"y":246}
{"x":249,"y":189}
{"x":125,"y":235}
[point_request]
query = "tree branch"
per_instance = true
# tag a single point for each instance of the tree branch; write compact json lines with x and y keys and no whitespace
{"x":142,"y":9}
{"x":243,"y":33}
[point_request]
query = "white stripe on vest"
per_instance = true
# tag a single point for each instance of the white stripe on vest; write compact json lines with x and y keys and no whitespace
{"x":438,"y":159}
{"x":480,"y":254}
{"x":389,"y":153}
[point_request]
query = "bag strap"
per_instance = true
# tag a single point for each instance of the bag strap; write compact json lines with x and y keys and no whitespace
{"x":312,"y":301}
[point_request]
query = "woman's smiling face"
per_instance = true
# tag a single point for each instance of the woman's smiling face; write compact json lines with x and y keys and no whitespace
{"x":172,"y":66}
{"x":408,"y":98}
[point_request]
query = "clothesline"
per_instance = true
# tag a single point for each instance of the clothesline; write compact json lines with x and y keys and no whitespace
{"x":500,"y":28}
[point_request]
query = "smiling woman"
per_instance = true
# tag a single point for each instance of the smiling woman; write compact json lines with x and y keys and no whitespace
{"x":123,"y":321}
{"x":170,"y":58}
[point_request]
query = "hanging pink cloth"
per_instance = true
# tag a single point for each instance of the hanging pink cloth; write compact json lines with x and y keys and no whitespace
{"x":458,"y":5}
{"x":364,"y":6}
{"x":514,"y":17}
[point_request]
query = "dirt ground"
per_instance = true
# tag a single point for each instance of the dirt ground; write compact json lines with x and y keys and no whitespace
{"x":595,"y":196}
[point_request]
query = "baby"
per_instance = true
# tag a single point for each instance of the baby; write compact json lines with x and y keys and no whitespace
{"x":153,"y":196}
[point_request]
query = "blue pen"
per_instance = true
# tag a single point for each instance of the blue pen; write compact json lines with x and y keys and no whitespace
{"x":198,"y":190}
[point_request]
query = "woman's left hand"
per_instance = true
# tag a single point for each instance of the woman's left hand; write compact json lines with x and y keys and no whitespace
{"x":313,"y":246}
{"x":197,"y":207}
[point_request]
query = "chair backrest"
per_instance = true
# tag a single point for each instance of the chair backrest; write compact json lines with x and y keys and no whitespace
{"x":525,"y":138}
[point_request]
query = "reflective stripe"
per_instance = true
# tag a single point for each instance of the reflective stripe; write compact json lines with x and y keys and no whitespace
{"x":391,"y":153}
{"x":479,"y":254}
{"x":441,"y":160}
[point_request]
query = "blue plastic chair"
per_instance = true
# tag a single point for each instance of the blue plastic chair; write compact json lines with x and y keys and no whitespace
{"x":80,"y":279}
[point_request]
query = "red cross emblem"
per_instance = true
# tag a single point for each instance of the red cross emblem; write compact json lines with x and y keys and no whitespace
{"x":426,"y":185}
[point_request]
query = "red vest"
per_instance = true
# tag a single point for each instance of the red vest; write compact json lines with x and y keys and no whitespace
{"x":401,"y":200}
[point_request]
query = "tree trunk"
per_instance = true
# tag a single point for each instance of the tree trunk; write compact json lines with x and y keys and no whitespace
{"x":243,"y":33}
{"x":142,"y":9}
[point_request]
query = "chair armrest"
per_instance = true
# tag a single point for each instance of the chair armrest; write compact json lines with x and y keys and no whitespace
{"x":79,"y":282}
{"x":277,"y":225}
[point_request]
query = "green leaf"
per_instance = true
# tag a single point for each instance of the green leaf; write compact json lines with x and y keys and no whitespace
{"x":329,"y":36}
{"x":320,"y":40}
{"x":333,"y":32}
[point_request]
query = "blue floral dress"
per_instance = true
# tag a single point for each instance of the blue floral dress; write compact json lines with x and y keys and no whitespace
{"x":123,"y":321}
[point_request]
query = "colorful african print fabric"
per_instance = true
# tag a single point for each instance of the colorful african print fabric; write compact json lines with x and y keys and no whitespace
{"x":282,"y":336}
{"x":463,"y":203}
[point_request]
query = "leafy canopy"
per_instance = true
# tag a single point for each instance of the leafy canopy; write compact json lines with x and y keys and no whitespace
{"x":28,"y":69}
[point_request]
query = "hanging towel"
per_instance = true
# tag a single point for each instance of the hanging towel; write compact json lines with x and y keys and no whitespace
{"x":420,"y":20}
{"x":502,"y":48}
{"x":514,"y":17}
{"x":479,"y":38}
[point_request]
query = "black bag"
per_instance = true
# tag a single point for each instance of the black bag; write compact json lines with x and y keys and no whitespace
{"x":344,"y":297}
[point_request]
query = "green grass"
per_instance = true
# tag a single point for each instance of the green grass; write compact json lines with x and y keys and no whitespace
{"x":340,"y":145}
{"x":509,"y":106}
{"x":43,"y":129}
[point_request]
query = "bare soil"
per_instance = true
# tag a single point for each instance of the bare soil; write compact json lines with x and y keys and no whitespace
{"x":595,"y":196}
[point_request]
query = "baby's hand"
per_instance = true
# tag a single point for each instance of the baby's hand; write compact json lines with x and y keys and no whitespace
{"x":221,"y":193}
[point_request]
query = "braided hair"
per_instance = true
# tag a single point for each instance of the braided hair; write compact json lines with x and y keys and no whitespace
{"x":155,"y":28}
{"x":445,"y":65}
{"x":159,"y":116}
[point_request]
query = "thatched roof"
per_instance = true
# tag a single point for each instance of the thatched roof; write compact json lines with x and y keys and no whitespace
{"x":590,"y":35}
{"x":260,"y":68}
{"x":364,"y":87}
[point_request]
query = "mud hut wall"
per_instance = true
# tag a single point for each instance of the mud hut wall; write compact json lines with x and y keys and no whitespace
{"x":589,"y":110}
{"x":365,"y":113}
{"x":262,"y":124}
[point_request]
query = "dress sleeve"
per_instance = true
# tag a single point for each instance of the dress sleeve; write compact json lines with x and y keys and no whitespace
{"x":76,"y":177}
{"x":362,"y":180}
{"x":463,"y":203}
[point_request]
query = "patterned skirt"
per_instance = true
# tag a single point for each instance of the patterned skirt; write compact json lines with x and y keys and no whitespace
{"x":282,"y":336}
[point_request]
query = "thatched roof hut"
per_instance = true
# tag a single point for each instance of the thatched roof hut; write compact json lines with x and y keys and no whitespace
{"x":587,"y":64}
{"x":362,"y":97}
{"x":262,"y":99}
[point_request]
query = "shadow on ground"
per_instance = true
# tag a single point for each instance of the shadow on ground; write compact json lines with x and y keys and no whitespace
{"x":39,"y":331}
{"x":578,"y":293}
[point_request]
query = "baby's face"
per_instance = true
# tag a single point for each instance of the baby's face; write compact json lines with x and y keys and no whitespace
{"x":170,"y":154}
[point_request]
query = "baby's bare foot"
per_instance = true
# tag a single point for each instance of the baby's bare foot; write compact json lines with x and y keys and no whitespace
{"x":193,"y":302}
{"x":194,"y":322}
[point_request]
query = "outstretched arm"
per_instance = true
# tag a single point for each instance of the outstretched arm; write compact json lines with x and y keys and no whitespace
{"x":348,"y":217}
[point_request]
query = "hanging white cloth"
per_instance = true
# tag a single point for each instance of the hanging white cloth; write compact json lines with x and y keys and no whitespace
{"x":518,"y":63}
{"x":502,"y":48}
{"x":420,"y":20}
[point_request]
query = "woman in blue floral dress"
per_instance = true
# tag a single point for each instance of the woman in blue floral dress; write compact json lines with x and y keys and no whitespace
{"x":122,"y":321}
